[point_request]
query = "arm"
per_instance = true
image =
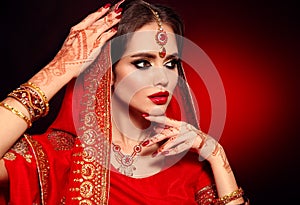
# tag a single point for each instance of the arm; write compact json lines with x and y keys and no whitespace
{"x":70,"y":61}
{"x":3,"y":173}
{"x":223,"y":175}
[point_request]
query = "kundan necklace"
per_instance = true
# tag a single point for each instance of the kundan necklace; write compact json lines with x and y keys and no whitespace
{"x":126,"y":161}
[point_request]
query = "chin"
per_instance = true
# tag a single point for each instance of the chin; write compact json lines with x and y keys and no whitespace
{"x":157,"y":110}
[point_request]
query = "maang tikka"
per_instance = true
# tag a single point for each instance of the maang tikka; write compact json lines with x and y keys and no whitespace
{"x":161,"y":35}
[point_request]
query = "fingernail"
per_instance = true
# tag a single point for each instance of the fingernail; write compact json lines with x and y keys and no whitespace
{"x":154,"y":154}
{"x":107,"y":6}
{"x":119,"y":10}
{"x":165,"y":152}
{"x":118,"y":17}
{"x":115,"y":28}
{"x":145,"y":114}
{"x":145,"y":143}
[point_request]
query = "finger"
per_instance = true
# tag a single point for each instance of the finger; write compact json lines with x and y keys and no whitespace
{"x":162,"y":133}
{"x":156,"y":138}
{"x":100,"y":41}
{"x":178,"y":149}
{"x":104,"y":37}
{"x":177,"y":140}
{"x":116,"y":6}
{"x":91,"y":18}
{"x":106,"y":22}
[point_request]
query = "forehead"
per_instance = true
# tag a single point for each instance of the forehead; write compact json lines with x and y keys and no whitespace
{"x":143,"y":40}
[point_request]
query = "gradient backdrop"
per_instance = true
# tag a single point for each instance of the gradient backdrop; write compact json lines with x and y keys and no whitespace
{"x":253,"y":44}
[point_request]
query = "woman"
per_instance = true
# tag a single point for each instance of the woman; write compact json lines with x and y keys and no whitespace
{"x":121,"y":136}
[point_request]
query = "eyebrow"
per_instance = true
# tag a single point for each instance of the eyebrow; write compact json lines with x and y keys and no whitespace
{"x":152,"y":56}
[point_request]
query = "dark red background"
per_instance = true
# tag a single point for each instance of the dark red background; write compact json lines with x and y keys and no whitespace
{"x":253,"y":44}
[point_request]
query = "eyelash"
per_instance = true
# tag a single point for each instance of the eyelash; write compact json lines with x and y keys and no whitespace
{"x":174,"y":63}
{"x":147,"y":64}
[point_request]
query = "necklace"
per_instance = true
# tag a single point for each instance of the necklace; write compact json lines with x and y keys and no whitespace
{"x":126,"y":161}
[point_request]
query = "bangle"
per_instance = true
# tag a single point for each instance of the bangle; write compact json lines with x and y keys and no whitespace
{"x":17,"y":112}
{"x":229,"y":197}
{"x":33,"y":99}
{"x":45,"y":106}
{"x":206,"y":195}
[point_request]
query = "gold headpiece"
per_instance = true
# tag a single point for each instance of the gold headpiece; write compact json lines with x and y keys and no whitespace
{"x":161,"y":36}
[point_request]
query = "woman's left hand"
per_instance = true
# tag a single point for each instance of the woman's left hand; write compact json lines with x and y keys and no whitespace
{"x":180,"y":136}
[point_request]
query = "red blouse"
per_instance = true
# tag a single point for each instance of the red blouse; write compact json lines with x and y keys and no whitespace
{"x":175,"y":185}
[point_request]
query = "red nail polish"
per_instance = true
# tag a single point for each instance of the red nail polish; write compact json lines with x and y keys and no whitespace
{"x":145,"y":143}
{"x":154,"y":154}
{"x":118,"y":17}
{"x":145,"y":114}
{"x":119,"y":10}
{"x":107,"y":6}
{"x":115,"y":28}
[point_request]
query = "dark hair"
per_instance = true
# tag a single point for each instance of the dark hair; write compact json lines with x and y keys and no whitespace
{"x":136,"y":13}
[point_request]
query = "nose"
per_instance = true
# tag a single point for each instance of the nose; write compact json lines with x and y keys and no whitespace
{"x":160,"y":77}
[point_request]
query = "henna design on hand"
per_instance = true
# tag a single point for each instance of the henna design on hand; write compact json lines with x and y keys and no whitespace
{"x":81,"y":47}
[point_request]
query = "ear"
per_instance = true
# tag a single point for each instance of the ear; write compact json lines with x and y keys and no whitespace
{"x":112,"y":82}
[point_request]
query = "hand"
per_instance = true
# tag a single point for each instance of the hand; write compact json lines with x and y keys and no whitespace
{"x":84,"y":42}
{"x":180,"y":136}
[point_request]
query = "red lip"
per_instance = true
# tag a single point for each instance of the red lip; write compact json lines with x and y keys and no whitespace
{"x":159,"y":98}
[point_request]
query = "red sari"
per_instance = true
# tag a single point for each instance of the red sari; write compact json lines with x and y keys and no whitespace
{"x":70,"y":162}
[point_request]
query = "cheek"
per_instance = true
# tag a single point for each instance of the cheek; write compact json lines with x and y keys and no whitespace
{"x":128,"y":85}
{"x":173,"y":80}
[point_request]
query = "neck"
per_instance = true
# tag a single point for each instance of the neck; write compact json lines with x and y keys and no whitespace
{"x":129,"y":127}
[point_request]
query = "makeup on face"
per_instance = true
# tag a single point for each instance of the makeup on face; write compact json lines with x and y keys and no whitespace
{"x":159,"y":98}
{"x":144,"y":80}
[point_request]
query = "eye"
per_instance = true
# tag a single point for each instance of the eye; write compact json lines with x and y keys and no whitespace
{"x":141,"y":64}
{"x":172,"y":64}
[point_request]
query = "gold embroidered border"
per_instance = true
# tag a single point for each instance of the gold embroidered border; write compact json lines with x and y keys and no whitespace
{"x":42,"y":166}
{"x":90,"y":171}
{"x":21,"y":148}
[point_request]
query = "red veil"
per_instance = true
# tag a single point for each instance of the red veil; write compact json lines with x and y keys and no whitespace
{"x":69,"y":163}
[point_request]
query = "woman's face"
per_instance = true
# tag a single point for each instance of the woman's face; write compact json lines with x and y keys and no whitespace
{"x":142,"y":80}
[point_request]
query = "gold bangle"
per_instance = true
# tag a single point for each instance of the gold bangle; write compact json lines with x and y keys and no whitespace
{"x":17,"y":112}
{"x":229,"y":197}
{"x":42,"y":95}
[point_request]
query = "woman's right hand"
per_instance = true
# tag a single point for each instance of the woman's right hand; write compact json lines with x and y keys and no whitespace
{"x":82,"y":45}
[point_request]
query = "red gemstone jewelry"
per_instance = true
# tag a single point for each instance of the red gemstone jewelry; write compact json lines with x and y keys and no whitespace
{"x":126,"y":161}
{"x":161,"y":36}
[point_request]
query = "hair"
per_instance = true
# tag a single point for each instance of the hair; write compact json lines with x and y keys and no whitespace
{"x":136,"y":14}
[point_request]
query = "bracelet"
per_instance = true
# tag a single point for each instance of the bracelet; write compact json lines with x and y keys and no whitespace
{"x":229,"y":197}
{"x":17,"y":112}
{"x":33,"y":99}
{"x":42,"y":95}
{"x":206,"y":195}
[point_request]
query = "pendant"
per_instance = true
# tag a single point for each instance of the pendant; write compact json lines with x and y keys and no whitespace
{"x":126,"y":161}
{"x":161,"y":39}
{"x":126,"y":167}
{"x":162,"y":52}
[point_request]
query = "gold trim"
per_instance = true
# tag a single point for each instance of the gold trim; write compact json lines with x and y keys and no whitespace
{"x":42,"y":166}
